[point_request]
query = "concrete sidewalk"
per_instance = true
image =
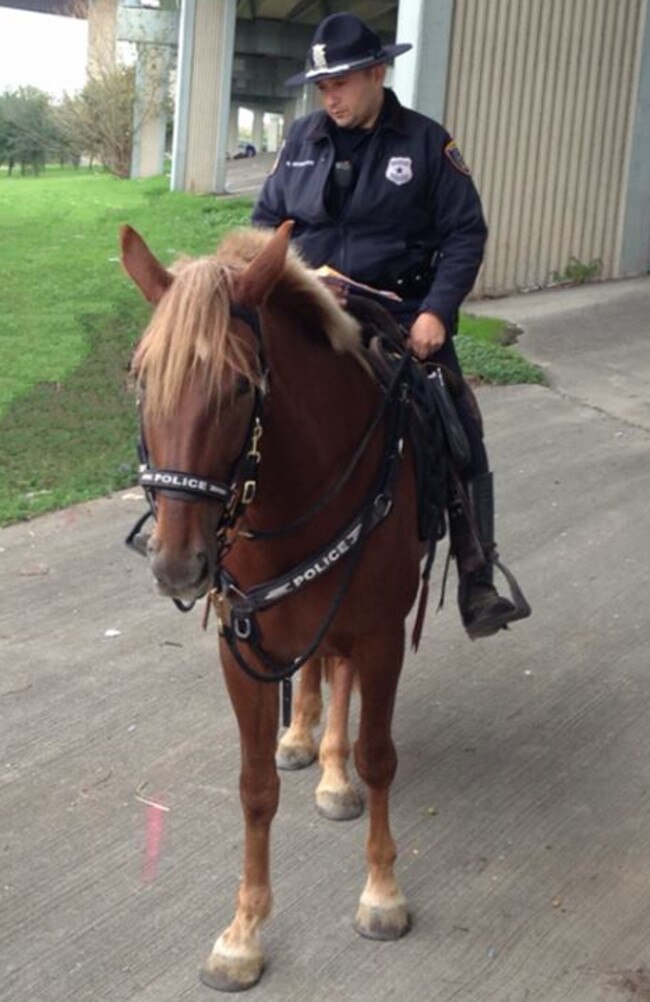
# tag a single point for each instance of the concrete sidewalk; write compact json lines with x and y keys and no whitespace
{"x":522,"y":801}
{"x":593,"y":341}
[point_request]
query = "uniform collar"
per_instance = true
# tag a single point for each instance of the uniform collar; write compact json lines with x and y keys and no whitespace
{"x":391,"y":117}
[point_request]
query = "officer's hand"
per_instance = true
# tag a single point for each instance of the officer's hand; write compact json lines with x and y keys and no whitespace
{"x":426,"y":336}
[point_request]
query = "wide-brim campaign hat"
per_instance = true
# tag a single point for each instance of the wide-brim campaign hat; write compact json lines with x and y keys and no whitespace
{"x":341,"y":44}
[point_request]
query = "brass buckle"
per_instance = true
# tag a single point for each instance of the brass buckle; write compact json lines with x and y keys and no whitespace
{"x":217,"y":600}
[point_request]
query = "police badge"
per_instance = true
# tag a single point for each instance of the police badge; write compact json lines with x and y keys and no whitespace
{"x":400,"y":170}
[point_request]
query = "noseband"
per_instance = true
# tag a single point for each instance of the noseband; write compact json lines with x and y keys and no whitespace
{"x":239,"y":490}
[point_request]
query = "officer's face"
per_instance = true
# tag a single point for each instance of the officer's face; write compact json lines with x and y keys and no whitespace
{"x":354,"y":99}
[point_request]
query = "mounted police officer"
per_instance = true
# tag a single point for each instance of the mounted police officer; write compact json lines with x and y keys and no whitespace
{"x":382,"y":194}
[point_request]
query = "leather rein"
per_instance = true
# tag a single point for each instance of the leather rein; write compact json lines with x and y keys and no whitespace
{"x":237,"y":609}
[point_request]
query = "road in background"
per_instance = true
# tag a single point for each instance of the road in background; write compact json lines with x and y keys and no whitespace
{"x":246,"y":176}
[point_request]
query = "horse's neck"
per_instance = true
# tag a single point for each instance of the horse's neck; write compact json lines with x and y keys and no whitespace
{"x":321,"y":403}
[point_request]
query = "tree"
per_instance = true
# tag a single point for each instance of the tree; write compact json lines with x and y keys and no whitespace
{"x":26,"y":128}
{"x":98,"y":121}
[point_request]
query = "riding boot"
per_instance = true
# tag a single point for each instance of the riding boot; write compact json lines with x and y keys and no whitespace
{"x":483,"y":611}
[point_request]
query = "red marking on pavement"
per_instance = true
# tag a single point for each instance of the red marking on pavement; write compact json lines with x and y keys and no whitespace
{"x":154,"y":837}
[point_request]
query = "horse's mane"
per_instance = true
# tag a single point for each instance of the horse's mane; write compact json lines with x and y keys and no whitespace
{"x":189,"y":328}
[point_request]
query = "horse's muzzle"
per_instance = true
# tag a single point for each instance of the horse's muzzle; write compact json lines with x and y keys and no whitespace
{"x":184,"y":577}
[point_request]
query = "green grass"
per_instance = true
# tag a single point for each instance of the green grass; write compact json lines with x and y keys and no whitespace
{"x":70,"y":318}
{"x":483,"y":349}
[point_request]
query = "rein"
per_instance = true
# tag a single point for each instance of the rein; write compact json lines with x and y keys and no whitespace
{"x":237,"y":610}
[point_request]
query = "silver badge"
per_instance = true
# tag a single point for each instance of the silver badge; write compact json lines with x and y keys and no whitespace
{"x":318,"y":57}
{"x":400,"y":170}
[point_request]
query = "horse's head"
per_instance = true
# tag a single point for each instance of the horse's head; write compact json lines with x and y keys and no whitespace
{"x":200,"y":373}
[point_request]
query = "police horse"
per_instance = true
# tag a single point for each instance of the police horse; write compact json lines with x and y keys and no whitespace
{"x":283,"y":487}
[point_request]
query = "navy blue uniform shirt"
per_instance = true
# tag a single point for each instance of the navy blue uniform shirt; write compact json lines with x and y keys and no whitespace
{"x":413,"y":200}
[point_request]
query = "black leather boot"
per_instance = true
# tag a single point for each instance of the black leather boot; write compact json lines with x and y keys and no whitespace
{"x":483,"y":611}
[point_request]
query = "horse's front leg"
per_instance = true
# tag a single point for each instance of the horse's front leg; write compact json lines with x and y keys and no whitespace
{"x":336,"y":798}
{"x":382,"y":912}
{"x":237,"y":961}
{"x":297,"y":747}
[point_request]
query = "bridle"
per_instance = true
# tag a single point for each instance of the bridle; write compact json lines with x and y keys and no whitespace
{"x":237,"y":609}
{"x":234,"y":494}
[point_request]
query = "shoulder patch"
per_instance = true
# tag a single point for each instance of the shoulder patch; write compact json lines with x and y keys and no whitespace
{"x":454,"y":155}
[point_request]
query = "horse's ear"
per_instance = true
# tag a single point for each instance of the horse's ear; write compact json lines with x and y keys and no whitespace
{"x":145,"y":270}
{"x":266,"y":269}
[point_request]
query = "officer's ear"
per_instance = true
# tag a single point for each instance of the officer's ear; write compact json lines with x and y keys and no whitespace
{"x":378,"y":72}
{"x":264,"y":271}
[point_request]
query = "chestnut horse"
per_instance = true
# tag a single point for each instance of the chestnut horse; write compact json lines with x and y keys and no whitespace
{"x":255,"y":396}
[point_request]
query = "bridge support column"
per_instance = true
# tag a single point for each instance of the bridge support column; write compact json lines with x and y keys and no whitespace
{"x":206,"y":43}
{"x":233,"y":129}
{"x":420,"y":76}
{"x":149,"y":114}
{"x":288,"y":115}
{"x":102,"y":24}
{"x":258,"y":129}
{"x":273,"y":131}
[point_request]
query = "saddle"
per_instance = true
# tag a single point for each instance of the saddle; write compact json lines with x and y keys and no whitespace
{"x":437,"y":437}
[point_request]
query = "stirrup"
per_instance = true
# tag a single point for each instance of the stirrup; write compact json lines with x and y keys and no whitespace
{"x":510,"y":612}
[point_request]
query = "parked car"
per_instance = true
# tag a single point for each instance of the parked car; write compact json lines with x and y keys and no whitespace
{"x":244,"y":150}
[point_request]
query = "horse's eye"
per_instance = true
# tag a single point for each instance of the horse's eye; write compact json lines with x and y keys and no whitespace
{"x":242,"y":386}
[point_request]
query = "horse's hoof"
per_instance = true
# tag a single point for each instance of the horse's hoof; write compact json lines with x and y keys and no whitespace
{"x":294,"y":756}
{"x":339,"y":805}
{"x":382,"y":923}
{"x":231,"y":975}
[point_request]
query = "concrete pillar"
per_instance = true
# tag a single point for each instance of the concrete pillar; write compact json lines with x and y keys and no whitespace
{"x":289,"y":115}
{"x":233,"y":129}
{"x":206,"y":43}
{"x":420,"y":76}
{"x":149,"y":114}
{"x":258,"y":129}
{"x":102,"y":21}
{"x":273,"y":132}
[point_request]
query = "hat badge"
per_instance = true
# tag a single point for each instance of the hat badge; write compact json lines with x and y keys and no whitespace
{"x":318,"y":56}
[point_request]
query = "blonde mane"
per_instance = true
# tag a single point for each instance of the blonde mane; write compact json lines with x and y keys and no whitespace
{"x":189,"y":331}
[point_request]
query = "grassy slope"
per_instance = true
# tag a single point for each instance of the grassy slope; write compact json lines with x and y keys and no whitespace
{"x":69,"y":319}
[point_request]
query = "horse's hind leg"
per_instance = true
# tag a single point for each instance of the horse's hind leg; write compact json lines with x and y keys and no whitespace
{"x":382,"y":912}
{"x":297,"y":747}
{"x":336,"y":798}
{"x":236,"y":961}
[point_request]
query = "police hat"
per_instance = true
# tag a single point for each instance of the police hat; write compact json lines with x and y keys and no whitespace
{"x":341,"y":44}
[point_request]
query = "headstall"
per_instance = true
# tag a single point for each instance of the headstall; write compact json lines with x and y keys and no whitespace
{"x":237,"y":609}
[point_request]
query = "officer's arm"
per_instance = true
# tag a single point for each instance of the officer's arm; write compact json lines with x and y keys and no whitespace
{"x":270,"y":208}
{"x":461,"y":233}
